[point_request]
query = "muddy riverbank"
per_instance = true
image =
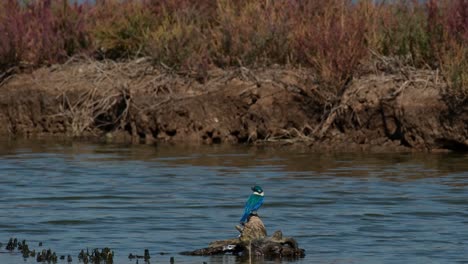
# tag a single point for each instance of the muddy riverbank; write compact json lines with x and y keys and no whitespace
{"x":381,"y":110}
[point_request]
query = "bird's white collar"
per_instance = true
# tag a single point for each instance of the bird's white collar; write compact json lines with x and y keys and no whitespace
{"x":261,"y":194}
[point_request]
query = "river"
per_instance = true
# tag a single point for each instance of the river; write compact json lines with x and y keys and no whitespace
{"x":341,"y":208}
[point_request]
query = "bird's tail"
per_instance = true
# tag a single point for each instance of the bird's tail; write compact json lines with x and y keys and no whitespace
{"x":244,"y":218}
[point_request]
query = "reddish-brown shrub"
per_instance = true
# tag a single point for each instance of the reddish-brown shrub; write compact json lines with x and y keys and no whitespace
{"x":41,"y":32}
{"x":331,"y":37}
{"x":452,"y":46}
{"x":11,"y":32}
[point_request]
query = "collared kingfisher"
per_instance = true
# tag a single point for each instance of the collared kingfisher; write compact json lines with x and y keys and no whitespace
{"x":253,"y":203}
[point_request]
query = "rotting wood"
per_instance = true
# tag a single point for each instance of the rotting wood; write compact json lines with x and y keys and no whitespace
{"x":253,"y":241}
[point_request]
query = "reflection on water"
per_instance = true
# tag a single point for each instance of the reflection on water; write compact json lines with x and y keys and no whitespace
{"x":342,"y":208}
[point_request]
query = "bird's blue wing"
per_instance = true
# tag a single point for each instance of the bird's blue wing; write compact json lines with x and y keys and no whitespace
{"x":253,"y":204}
{"x":256,"y":203}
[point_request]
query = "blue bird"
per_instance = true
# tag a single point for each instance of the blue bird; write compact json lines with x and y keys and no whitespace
{"x":253,"y":203}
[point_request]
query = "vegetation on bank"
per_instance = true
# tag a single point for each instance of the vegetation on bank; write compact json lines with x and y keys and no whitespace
{"x":333,"y":37}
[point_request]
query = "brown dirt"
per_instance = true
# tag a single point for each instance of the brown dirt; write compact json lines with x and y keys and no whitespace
{"x":135,"y":101}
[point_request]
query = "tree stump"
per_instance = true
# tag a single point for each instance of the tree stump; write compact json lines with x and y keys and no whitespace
{"x":253,"y":229}
{"x":253,"y":241}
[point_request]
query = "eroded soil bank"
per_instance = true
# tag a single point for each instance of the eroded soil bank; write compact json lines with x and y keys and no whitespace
{"x":383,"y":110}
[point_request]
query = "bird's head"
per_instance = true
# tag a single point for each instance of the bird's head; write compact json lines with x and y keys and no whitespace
{"x":257,"y":190}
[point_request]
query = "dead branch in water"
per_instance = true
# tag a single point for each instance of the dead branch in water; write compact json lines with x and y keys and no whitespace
{"x":253,"y":241}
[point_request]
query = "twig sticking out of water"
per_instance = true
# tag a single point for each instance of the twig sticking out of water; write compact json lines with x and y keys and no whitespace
{"x":106,"y":255}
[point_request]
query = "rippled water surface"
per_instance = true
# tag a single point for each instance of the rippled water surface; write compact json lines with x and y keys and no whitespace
{"x":341,"y":208}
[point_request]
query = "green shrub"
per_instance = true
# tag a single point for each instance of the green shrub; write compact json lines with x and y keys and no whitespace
{"x":251,"y":32}
{"x":121,"y":30}
{"x":405,"y":34}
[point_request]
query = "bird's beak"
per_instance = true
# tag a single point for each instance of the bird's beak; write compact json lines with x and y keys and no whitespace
{"x":252,"y":188}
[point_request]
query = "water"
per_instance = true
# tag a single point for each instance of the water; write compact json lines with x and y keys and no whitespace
{"x":341,"y":208}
